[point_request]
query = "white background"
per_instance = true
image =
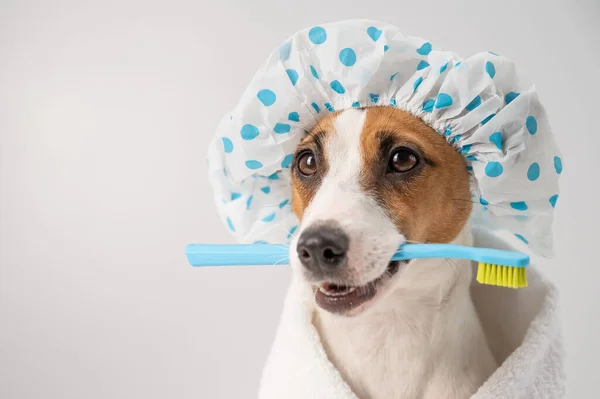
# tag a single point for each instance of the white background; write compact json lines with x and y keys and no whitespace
{"x":106,"y":110}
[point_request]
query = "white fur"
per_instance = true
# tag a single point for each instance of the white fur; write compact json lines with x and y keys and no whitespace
{"x":423,"y":339}
{"x":420,"y":337}
{"x":373,"y":237}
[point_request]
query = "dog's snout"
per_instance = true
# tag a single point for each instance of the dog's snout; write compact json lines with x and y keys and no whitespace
{"x":323,"y":247}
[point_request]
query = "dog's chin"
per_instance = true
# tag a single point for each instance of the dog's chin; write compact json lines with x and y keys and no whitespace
{"x":352,"y":300}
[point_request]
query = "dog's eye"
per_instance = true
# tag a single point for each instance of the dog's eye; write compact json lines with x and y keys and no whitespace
{"x":307,"y":163}
{"x":402,"y":160}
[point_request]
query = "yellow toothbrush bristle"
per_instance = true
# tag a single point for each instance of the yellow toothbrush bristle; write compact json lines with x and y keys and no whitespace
{"x":502,"y":276}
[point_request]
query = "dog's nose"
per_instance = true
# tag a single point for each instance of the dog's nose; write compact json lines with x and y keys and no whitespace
{"x":323,"y":247}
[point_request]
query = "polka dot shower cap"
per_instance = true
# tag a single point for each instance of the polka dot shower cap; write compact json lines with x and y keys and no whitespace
{"x":477,"y":103}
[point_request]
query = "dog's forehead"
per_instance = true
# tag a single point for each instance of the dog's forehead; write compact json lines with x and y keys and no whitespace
{"x":341,"y":127}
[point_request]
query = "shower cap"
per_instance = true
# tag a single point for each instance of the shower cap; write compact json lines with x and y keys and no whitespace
{"x":476,"y":103}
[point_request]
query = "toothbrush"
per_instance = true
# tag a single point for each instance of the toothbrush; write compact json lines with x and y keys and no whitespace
{"x":496,"y":267}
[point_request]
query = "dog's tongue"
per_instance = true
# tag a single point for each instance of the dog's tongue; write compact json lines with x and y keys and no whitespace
{"x":341,"y":299}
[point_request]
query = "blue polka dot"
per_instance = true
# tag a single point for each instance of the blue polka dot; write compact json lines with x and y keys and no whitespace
{"x":284,"y":51}
{"x":293,"y":75}
{"x":448,"y":131}
{"x":558,"y":165}
{"x":249,"y":202}
{"x":355,"y":104}
{"x":443,"y":68}
{"x":491,"y":52}
{"x":474,"y":104}
{"x":392,"y":101}
{"x":283,"y":203}
{"x":227,"y":145}
{"x":265,"y":189}
{"x":519,"y":206}
{"x":496,"y":138}
{"x":316,"y":107}
{"x":281,"y":128}
{"x":317,"y":35}
{"x":294,"y":116}
{"x":386,"y":48}
{"x":458,"y":63}
{"x":374,"y":33}
{"x":374,"y":97}
{"x":533,"y":173}
{"x":455,"y":139}
{"x":443,"y":100}
{"x":393,"y":76}
{"x":487,"y":119}
{"x":267,"y":97}
{"x":428,"y":105}
{"x":253,"y":164}
{"x":235,"y":196}
{"x":269,"y":218}
{"x":520,"y":237}
{"x":469,"y":168}
{"x":553,"y":200}
{"x":337,"y":87}
{"x":274,"y":176}
{"x":493,"y":169}
{"x":531,"y":124}
{"x":329,"y":107}
{"x":287,"y":161}
{"x":422,"y":65}
{"x":425,"y":49}
{"x":314,"y":72}
{"x":466,"y":148}
{"x":417,"y":83}
{"x":249,"y":132}
{"x":348,"y":57}
{"x":510,"y":97}
{"x":230,"y":225}
{"x":483,"y":202}
{"x":471,"y":158}
{"x":490,"y":69}
{"x":292,"y":231}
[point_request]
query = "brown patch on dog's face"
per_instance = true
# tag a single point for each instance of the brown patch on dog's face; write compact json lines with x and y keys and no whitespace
{"x":430,"y":202}
{"x":304,"y":188}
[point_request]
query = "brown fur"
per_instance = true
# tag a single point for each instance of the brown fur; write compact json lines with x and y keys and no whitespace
{"x":303,"y":190}
{"x":431,"y":205}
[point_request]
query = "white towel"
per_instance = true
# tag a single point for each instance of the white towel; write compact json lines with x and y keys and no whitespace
{"x":522,"y":326}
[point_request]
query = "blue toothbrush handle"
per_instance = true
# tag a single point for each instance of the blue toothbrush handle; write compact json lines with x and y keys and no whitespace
{"x":484,"y":255}
{"x":274,"y":254}
{"x":237,"y":254}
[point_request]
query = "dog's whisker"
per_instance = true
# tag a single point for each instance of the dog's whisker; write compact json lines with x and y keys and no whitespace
{"x":278,"y":228}
{"x":281,"y":260}
{"x":414,"y":242}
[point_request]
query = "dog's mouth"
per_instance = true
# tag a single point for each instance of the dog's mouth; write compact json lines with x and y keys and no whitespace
{"x":336,"y":298}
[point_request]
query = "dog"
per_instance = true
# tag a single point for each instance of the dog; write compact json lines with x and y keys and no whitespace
{"x":365,"y":181}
